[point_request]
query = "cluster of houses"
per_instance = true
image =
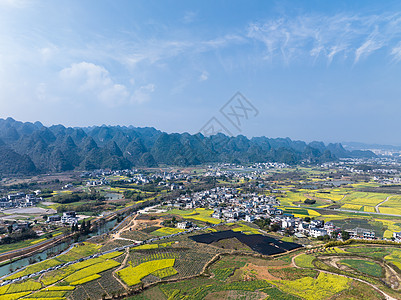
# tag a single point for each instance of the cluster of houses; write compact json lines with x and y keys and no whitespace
{"x":20,"y":200}
{"x":68,"y":217}
{"x":227,"y":201}
{"x":230,"y":205}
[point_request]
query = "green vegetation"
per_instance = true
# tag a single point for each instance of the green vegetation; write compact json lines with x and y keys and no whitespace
{"x":223,"y":274}
{"x":364,"y":266}
{"x":304,"y":261}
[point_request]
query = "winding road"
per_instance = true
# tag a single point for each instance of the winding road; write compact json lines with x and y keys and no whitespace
{"x":377,"y":206}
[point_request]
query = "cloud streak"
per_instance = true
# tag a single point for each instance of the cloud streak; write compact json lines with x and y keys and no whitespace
{"x":326,"y":37}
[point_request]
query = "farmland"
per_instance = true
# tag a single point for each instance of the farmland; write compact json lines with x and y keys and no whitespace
{"x":237,"y":259}
{"x":133,"y":275}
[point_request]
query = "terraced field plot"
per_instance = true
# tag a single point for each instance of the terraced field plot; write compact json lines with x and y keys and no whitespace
{"x":133,"y":275}
{"x":199,"y":214}
{"x":299,"y":212}
{"x":304,"y":261}
{"x":364,"y":266}
{"x":77,"y":252}
{"x":362,"y":198}
{"x":167,"y":231}
{"x":325,"y":286}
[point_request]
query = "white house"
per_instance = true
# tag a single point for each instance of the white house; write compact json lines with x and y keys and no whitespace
{"x":316,"y":232}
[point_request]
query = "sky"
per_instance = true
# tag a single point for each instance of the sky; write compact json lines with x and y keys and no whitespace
{"x":308,"y":70}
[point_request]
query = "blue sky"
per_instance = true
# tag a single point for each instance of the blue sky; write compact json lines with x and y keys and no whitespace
{"x":315,"y":70}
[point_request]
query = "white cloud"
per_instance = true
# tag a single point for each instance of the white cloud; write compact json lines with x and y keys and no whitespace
{"x":204,"y":76}
{"x":396,"y":52}
{"x":142,"y":94}
{"x":189,"y":17}
{"x":94,"y":81}
{"x":371,"y":44}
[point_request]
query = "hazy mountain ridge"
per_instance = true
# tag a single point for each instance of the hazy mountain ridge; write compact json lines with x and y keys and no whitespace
{"x":31,"y":147}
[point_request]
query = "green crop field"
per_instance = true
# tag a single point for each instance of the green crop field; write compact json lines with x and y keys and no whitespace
{"x":304,"y":261}
{"x":364,"y":266}
{"x":223,"y":274}
{"x":394,"y":257}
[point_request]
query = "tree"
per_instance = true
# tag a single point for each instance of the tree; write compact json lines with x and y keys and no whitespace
{"x":10,"y":228}
{"x":344,"y":235}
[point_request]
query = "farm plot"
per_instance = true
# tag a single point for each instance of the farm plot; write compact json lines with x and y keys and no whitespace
{"x":26,"y":286}
{"x":92,"y":270}
{"x":393,"y":202}
{"x":199,"y":214}
{"x":392,"y":226}
{"x":246,"y":229}
{"x":394,"y":257}
{"x":325,"y":286}
{"x":364,"y":266}
{"x":304,"y":261}
{"x":300,"y":212}
{"x":35,"y":268}
{"x":133,"y":275}
{"x":88,"y":269}
{"x":291,"y":198}
{"x":374,"y":252}
{"x":362,"y":198}
{"x":167,"y":231}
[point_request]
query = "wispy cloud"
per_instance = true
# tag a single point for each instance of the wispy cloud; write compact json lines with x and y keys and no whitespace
{"x":328,"y":37}
{"x":396,"y":52}
{"x":189,"y":17}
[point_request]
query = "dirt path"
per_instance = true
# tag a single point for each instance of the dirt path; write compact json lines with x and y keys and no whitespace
{"x":377,"y":206}
{"x":388,"y":297}
{"x":134,"y":221}
{"x":119,"y":268}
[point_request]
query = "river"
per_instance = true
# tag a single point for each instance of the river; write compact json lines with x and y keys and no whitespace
{"x":9,"y":268}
